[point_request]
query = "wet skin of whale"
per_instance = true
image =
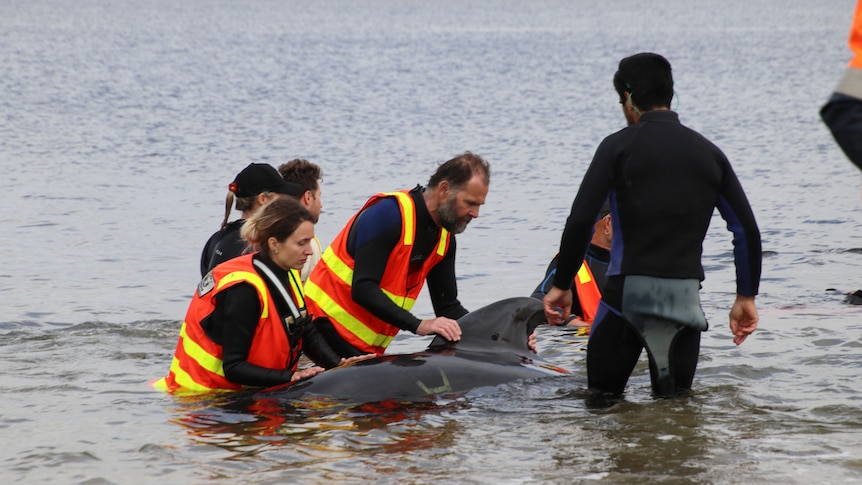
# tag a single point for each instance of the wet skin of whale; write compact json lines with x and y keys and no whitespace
{"x":492,"y":350}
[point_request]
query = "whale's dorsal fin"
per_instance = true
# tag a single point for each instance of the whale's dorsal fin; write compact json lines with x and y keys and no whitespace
{"x":503,"y":325}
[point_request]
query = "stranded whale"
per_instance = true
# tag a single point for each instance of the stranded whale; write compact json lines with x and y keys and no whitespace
{"x":492,"y":350}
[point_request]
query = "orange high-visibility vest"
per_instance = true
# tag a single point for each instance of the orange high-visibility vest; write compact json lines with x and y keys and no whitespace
{"x":588,"y":292}
{"x":197,"y":364}
{"x":328,"y":289}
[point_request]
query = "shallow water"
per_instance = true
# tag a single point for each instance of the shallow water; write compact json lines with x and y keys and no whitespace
{"x":122,"y":123}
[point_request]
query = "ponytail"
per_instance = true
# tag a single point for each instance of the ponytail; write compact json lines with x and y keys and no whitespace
{"x":228,"y":205}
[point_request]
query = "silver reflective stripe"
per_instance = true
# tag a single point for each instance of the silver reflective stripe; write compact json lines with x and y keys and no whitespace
{"x":851,"y":83}
{"x":280,"y":287}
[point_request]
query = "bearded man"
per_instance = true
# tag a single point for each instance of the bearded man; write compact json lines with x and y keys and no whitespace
{"x":363,"y":288}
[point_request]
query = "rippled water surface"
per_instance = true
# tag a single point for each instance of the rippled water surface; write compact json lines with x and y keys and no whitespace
{"x":121,"y":124}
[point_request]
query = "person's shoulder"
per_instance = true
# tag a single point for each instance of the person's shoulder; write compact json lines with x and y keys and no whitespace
{"x":385,"y":207}
{"x":229,"y":233}
{"x":622,"y":132}
{"x":706,"y":142}
{"x":615,"y":142}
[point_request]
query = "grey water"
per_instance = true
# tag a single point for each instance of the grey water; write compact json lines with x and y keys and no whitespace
{"x":121,"y":124}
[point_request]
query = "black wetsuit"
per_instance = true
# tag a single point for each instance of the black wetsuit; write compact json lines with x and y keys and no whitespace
{"x":664,"y":182}
{"x":597,"y":259}
{"x":232,"y":325}
{"x":371,"y":241}
{"x":223,"y":245}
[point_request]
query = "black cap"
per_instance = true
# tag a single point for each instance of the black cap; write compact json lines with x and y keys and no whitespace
{"x":262,"y":177}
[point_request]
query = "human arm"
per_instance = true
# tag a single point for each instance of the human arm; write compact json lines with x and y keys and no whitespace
{"x":239,"y":312}
{"x":316,"y":348}
{"x":747,"y":252}
{"x":372,"y":239}
{"x":443,"y":287}
{"x":558,"y":302}
{"x":743,"y":318}
{"x":594,"y":190}
{"x":547,"y":283}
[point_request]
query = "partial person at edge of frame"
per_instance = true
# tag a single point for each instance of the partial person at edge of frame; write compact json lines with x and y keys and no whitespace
{"x":842,"y":113}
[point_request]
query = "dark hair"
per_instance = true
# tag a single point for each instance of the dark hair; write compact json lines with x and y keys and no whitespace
{"x":460,"y":170}
{"x":647,"y":78}
{"x":301,"y":172}
{"x":278,"y":219}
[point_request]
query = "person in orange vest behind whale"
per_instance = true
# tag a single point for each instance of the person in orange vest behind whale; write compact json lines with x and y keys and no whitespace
{"x":362,"y":290}
{"x":590,"y":279}
{"x":247,"y":322}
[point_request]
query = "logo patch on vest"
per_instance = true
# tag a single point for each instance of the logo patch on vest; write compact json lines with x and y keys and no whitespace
{"x":206,"y":285}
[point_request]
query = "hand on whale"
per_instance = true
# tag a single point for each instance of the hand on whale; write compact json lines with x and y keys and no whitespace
{"x":493,"y":349}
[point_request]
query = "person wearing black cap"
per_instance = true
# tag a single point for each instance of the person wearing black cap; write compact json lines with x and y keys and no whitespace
{"x":590,"y":278}
{"x":252,"y":188}
{"x":664,"y":181}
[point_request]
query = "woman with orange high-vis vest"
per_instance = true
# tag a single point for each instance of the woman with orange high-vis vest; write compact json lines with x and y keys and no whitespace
{"x":843,"y":112}
{"x":247,"y":323}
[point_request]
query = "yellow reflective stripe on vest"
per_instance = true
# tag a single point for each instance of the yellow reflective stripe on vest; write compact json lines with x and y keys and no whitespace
{"x":584,"y":274}
{"x":252,"y":278}
{"x":356,"y":326}
{"x":441,"y":248}
{"x":185,"y":381}
{"x":342,"y":270}
{"x":297,"y":288}
{"x":181,"y":378}
{"x":409,"y":213}
{"x":402,"y":301}
{"x":204,"y":359}
{"x":337,"y":266}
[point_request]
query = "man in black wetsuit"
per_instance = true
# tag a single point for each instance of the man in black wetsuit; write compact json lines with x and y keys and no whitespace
{"x":664,"y":181}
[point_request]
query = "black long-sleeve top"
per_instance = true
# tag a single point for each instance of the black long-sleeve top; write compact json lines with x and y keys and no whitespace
{"x":374,"y":235}
{"x":664,"y":182}
{"x":223,"y":245}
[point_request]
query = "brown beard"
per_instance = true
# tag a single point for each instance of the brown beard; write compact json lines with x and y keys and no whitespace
{"x":448,"y":214}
